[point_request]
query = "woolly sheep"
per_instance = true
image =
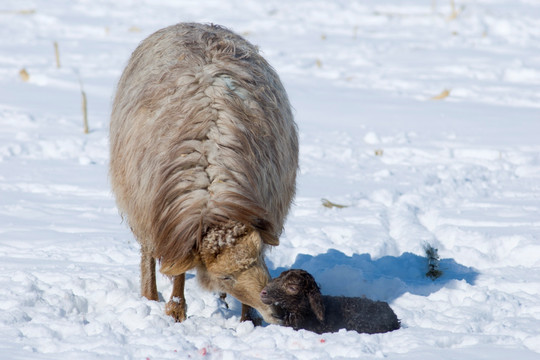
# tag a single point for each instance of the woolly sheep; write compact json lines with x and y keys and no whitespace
{"x":203,"y":161}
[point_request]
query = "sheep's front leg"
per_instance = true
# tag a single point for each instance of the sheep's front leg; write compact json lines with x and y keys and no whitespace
{"x":248,"y":314}
{"x":176,"y":307}
{"x":148,"y":275}
{"x":223,"y":298}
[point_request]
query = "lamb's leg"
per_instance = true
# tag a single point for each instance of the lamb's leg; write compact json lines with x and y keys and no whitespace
{"x":176,"y":307}
{"x":248,"y":314}
{"x":148,"y":275}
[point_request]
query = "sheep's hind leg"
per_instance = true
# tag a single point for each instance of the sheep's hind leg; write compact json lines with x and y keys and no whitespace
{"x":148,"y":275}
{"x":249,"y":314}
{"x":176,"y":307}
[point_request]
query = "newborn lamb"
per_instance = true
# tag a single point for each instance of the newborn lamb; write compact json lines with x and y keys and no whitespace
{"x":297,"y":302}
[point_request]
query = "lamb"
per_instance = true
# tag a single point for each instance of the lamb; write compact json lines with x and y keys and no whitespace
{"x":298,"y":303}
{"x":203,"y":161}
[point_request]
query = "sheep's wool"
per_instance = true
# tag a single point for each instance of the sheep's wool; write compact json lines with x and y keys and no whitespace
{"x":223,"y":236}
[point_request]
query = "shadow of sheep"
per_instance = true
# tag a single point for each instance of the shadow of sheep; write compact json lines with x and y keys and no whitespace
{"x":384,"y":279}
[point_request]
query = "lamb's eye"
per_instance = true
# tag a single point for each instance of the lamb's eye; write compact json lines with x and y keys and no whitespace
{"x":226,"y":278}
{"x":292,"y":289}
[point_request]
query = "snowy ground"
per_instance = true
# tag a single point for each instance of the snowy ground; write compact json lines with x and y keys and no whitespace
{"x":461,"y":173}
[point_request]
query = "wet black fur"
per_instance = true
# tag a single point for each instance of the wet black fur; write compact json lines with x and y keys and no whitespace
{"x":297,"y":301}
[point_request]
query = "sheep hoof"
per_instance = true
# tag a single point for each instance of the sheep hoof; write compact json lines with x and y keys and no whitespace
{"x":223,"y":299}
{"x":177,"y":309}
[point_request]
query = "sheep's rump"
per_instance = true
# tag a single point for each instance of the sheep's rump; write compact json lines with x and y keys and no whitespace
{"x":201,"y":135}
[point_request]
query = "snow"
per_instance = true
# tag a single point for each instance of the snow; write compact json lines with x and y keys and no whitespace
{"x":461,"y":173}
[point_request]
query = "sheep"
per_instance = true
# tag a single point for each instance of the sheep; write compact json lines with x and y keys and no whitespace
{"x":298,"y":303}
{"x":203,"y":161}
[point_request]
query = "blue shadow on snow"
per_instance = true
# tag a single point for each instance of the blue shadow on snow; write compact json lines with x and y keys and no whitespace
{"x":385,"y":279}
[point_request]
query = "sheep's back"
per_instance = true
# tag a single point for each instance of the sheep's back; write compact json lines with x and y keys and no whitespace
{"x":201,"y":133}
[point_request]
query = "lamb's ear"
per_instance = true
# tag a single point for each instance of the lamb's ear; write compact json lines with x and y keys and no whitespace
{"x":316,"y":302}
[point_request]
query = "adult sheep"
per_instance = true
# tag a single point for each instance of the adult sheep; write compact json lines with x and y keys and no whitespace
{"x":203,"y":161}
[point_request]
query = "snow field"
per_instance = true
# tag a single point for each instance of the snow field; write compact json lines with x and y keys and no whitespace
{"x":460,"y":173}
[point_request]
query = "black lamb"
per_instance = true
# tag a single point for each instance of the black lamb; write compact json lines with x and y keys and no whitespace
{"x":297,"y":302}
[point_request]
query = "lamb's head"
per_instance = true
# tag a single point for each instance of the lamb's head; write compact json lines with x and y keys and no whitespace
{"x":293,"y":295}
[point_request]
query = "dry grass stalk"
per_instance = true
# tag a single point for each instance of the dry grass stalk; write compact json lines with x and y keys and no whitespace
{"x":318,"y":63}
{"x":57,"y":54}
{"x":84,"y":104}
{"x":85,"y":112}
{"x":454,"y":13}
{"x":328,"y":204}
{"x":19,"y":12}
{"x":26,"y":11}
{"x":379,"y":152}
{"x":135,"y":29}
{"x":443,"y":95}
{"x":24,"y":75}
